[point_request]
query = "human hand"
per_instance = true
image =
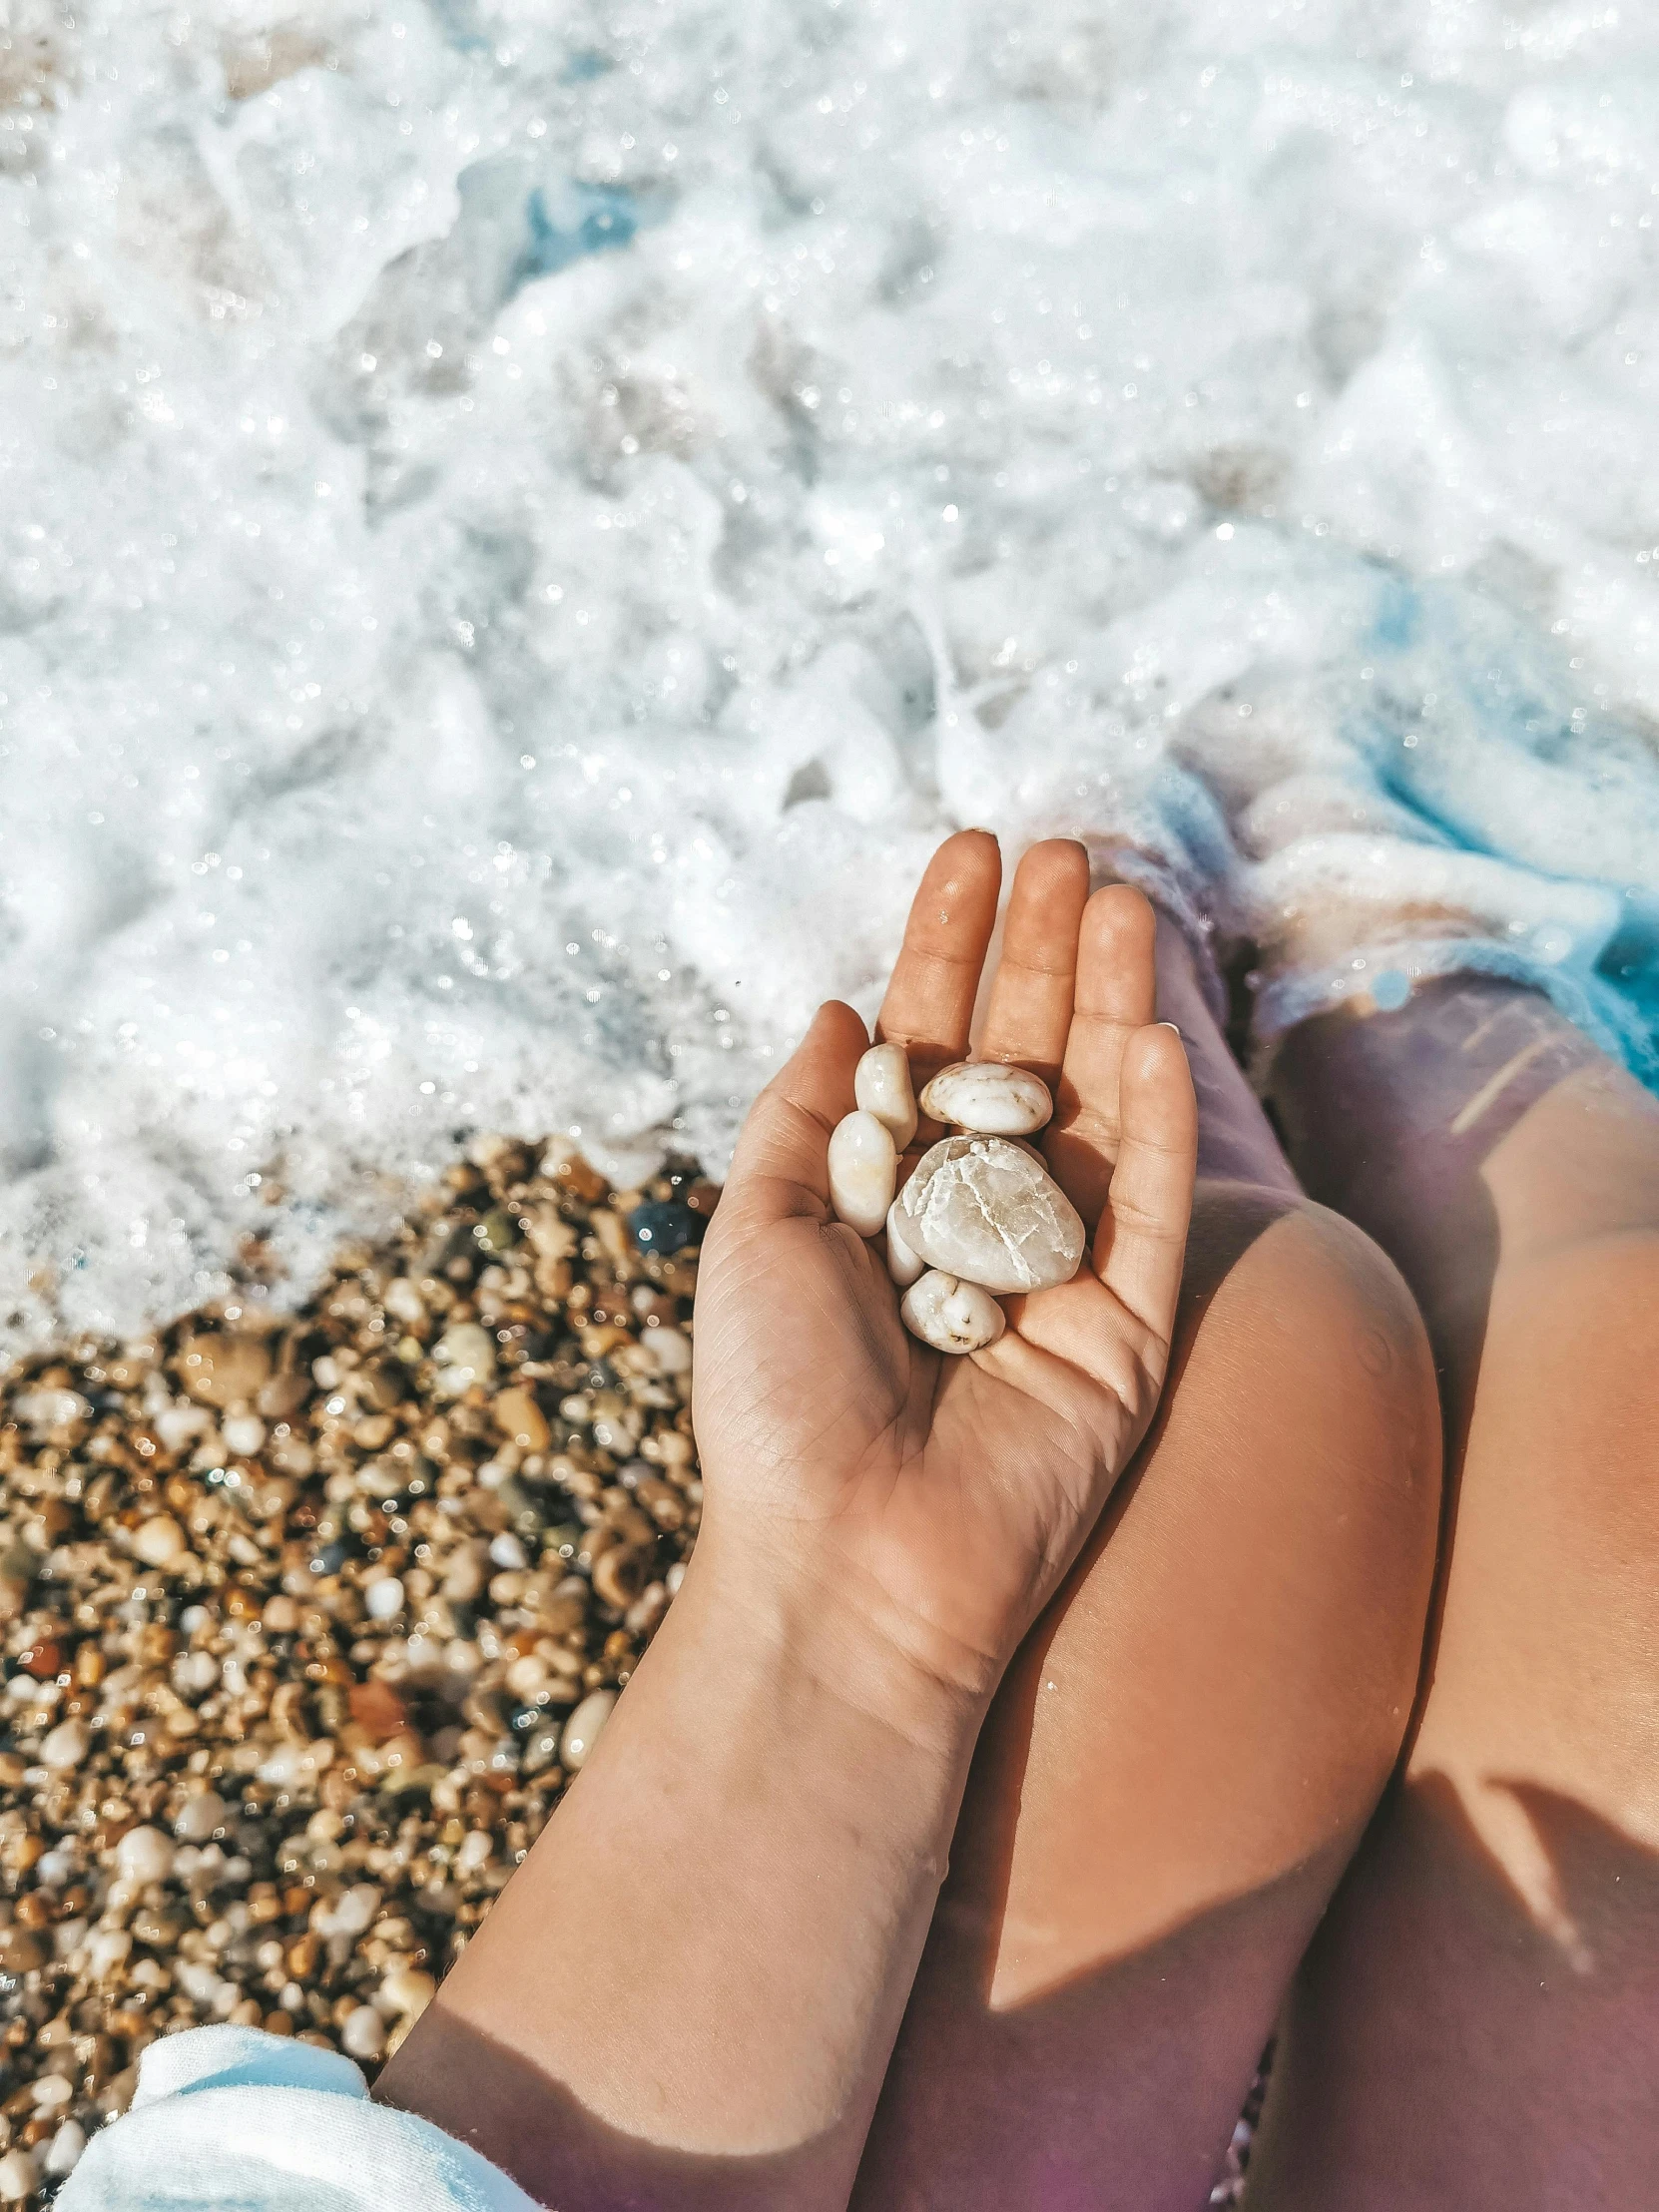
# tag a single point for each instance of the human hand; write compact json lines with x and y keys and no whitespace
{"x":933,"y":1503}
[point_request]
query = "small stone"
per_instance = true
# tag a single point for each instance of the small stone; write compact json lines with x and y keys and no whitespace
{"x":145,"y":1854}
{"x":988,"y":1212}
{"x":465,"y":1355}
{"x":881,"y":1087}
{"x":988,"y":1097}
{"x":405,"y":1993}
{"x":200,"y":1816}
{"x":582,"y":1730}
{"x":107,"y":1949}
{"x":224,"y":1369}
{"x":377,"y":1709}
{"x":63,"y":2154}
{"x":520,"y":1419}
{"x":669,"y":1347}
{"x":160,"y":1541}
{"x":364,"y":2035}
{"x":864,"y":1168}
{"x":65,"y":1748}
{"x":951,"y":1315}
{"x":383,"y":1600}
{"x":17,"y":2177}
{"x":243,"y":1435}
{"x":904,"y":1265}
{"x":666,"y":1226}
{"x":281,"y":1616}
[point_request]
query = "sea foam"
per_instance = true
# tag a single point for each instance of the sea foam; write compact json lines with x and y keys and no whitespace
{"x":518,"y":528}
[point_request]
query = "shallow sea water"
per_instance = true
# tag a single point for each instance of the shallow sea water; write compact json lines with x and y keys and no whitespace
{"x":518,"y":528}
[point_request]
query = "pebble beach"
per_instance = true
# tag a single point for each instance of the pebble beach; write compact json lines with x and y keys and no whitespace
{"x":309,"y":1617}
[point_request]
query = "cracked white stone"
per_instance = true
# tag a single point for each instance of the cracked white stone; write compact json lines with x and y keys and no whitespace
{"x":951,"y":1315}
{"x":987,"y":1209}
{"x":988,"y":1097}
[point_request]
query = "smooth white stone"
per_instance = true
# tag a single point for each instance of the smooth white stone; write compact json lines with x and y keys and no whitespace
{"x":904,"y":1265}
{"x":582,"y":1730}
{"x":864,"y":1168}
{"x":987,"y":1209}
{"x":881,"y":1087}
{"x":989,"y":1098}
{"x":951,"y":1315}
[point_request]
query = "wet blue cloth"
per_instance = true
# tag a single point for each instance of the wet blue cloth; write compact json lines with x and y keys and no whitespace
{"x":230,"y":2119}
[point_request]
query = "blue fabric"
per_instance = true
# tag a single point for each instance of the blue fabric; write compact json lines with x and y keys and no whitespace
{"x":234,"y":2121}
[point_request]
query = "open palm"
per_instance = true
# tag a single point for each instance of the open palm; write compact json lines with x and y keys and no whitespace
{"x":944,"y":1498}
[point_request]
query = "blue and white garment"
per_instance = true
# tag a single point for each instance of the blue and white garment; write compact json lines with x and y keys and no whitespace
{"x":230,"y":2119}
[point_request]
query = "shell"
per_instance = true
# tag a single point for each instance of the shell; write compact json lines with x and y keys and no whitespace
{"x":987,"y":1209}
{"x":864,"y":1169}
{"x":881,"y":1087}
{"x":904,"y":1265}
{"x":951,"y":1315}
{"x":988,"y":1097}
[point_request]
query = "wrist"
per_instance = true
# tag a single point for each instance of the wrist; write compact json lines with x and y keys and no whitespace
{"x":817,"y":1631}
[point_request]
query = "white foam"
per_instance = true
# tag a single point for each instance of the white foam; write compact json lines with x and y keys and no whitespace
{"x":518,"y":530}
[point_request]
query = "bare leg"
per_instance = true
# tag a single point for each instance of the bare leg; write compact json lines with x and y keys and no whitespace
{"x":1474,"y":2027}
{"x":1181,"y":1762}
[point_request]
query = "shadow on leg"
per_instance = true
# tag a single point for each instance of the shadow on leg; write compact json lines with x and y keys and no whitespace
{"x":1474,"y":2026}
{"x":1182,"y":1759}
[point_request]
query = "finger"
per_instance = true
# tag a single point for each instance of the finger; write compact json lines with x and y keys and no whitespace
{"x":930,"y":1004}
{"x":1142,"y":1238}
{"x":780,"y":1166}
{"x":1029,"y":1013}
{"x":1114,"y":998}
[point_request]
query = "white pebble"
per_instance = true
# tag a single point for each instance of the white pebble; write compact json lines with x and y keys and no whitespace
{"x":145,"y":1854}
{"x":669,"y":1347}
{"x":507,"y":1552}
{"x":51,"y":2090}
{"x":383,"y":1600}
{"x":881,"y":1087}
{"x":107,"y":1949}
{"x":159,"y":1541}
{"x":951,"y":1315}
{"x":63,"y":2154}
{"x":364,"y":2034}
{"x":474,"y":1851}
{"x":989,"y":1098}
{"x":990,"y":1212}
{"x":199,"y":1817}
{"x":355,"y":1909}
{"x":904,"y":1265}
{"x":465,"y":1355}
{"x":17,"y":2177}
{"x":583,"y":1728}
{"x":243,"y":1435}
{"x":405,"y":1992}
{"x":66,"y":1747}
{"x":864,"y":1169}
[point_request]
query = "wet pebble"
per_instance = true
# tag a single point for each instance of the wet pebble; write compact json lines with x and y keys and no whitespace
{"x":666,"y":1227}
{"x":582,"y":1730}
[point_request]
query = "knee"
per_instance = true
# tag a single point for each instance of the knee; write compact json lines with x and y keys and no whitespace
{"x":1311,"y":1319}
{"x":1310,"y":1342}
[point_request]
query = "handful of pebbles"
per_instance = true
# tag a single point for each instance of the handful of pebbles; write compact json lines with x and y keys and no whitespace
{"x":980,"y":1217}
{"x":308,"y":1619}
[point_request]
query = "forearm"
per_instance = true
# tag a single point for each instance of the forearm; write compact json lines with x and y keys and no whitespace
{"x":694,"y":1983}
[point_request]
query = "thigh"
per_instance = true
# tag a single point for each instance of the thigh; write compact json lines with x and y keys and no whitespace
{"x":1184,"y":1756}
{"x":1474,"y":2028}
